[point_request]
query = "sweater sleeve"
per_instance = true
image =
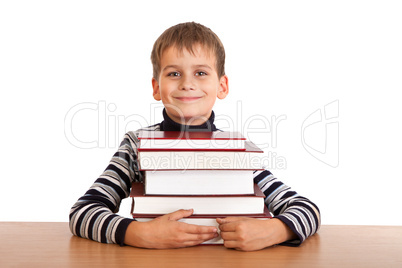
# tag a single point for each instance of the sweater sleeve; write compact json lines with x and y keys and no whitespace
{"x":93,"y":215}
{"x":299,"y":213}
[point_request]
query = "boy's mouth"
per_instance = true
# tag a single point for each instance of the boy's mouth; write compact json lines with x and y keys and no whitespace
{"x":187,"y":99}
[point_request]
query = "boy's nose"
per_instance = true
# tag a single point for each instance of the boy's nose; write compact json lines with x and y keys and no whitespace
{"x":187,"y":84}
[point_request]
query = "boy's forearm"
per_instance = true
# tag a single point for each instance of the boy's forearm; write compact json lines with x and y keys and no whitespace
{"x":283,"y":232}
{"x":289,"y":207}
{"x":167,"y":232}
{"x":132,"y":237}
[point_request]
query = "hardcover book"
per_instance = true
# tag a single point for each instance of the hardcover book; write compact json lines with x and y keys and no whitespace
{"x":202,"y":182}
{"x":206,"y":220}
{"x":209,"y":172}
{"x":182,"y":140}
{"x":202,"y":204}
{"x":250,"y":158}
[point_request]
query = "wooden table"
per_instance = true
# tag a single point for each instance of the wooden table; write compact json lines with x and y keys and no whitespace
{"x":28,"y":244}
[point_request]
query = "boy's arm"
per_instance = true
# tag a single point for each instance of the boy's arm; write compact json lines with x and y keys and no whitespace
{"x":298,"y":213}
{"x":250,"y":234}
{"x":93,"y":215}
{"x":295,"y":219}
{"x":167,"y":232}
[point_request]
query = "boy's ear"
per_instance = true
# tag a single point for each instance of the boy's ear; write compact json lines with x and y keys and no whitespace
{"x":156,"y":92}
{"x":223,"y":87}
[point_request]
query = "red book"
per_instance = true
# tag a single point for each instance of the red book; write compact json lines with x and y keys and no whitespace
{"x":193,"y":218}
{"x":205,"y":220}
{"x":184,"y":140}
{"x":250,"y":158}
{"x":202,"y":204}
{"x":201,"y":182}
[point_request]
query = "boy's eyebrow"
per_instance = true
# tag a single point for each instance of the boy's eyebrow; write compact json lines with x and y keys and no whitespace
{"x":203,"y":66}
{"x":170,"y":66}
{"x":194,"y":66}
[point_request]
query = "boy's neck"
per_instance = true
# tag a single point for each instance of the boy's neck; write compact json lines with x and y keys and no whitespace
{"x":169,"y":125}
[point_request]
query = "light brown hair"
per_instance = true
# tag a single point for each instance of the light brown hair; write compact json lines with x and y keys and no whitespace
{"x":186,"y":35}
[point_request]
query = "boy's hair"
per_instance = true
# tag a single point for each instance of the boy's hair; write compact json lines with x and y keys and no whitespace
{"x":186,"y":35}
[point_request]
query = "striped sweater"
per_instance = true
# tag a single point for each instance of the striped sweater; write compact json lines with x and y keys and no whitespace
{"x":93,"y":215}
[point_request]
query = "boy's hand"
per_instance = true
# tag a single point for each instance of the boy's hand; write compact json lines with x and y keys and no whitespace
{"x":250,"y":234}
{"x":167,"y":232}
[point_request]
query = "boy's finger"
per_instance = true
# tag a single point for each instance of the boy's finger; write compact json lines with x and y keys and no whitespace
{"x":231,"y":244}
{"x":228,"y":227}
{"x":228,"y":236}
{"x":229,"y":219}
{"x":200,"y":229}
{"x":179,"y":214}
{"x":193,"y":240}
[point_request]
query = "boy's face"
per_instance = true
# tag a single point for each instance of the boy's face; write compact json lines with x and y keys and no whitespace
{"x":188,"y":85}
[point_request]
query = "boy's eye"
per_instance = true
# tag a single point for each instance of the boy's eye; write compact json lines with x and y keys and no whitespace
{"x":200,"y":73}
{"x":174,"y":74}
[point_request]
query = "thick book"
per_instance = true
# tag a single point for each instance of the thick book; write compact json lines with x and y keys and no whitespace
{"x":184,"y":140}
{"x":250,"y":158}
{"x":201,"y":204}
{"x":206,"y":220}
{"x":198,"y":182}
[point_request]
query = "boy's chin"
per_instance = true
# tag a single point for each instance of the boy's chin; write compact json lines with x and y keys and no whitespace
{"x":189,"y":118}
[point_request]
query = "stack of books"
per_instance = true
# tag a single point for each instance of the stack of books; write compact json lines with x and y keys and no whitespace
{"x":209,"y":172}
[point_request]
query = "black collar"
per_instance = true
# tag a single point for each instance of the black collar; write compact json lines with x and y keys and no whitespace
{"x":169,"y":125}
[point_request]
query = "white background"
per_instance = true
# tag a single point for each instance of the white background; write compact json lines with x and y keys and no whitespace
{"x":284,"y":58}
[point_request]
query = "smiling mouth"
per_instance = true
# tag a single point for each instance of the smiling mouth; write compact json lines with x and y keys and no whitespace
{"x":187,"y":99}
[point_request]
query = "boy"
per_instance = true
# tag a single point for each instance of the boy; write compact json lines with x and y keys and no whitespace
{"x":188,"y":75}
